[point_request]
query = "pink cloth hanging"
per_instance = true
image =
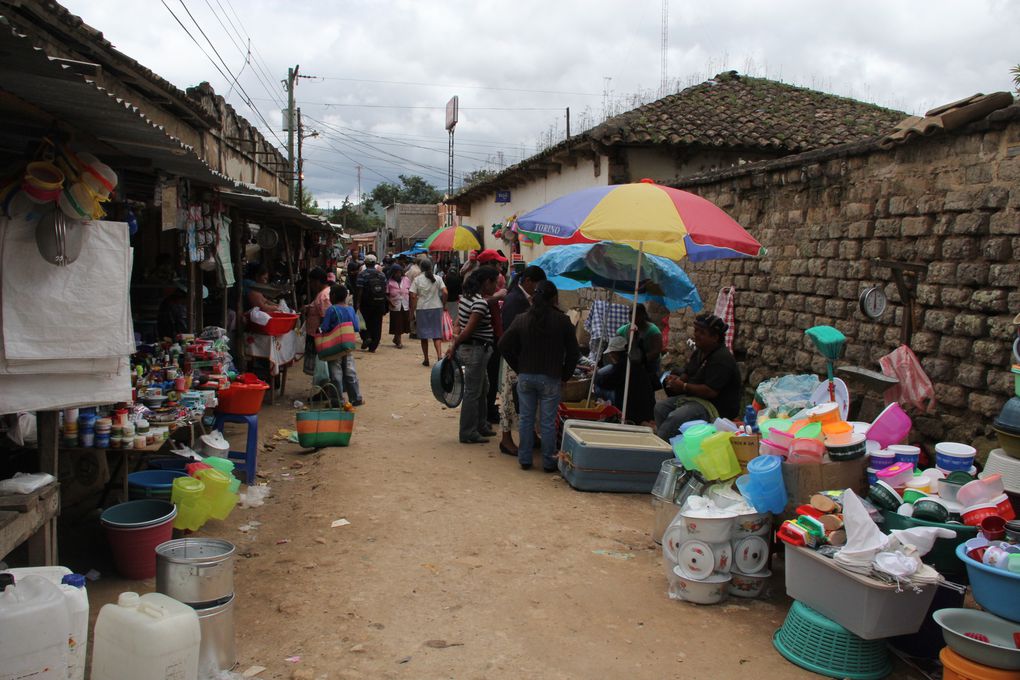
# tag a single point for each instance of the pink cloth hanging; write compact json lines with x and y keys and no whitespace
{"x":915,"y":386}
{"x":724,"y":310}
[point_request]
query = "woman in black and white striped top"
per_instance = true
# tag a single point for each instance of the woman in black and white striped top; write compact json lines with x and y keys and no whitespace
{"x":472,"y":347}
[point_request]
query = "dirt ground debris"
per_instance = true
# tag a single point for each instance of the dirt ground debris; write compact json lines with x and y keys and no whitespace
{"x":457,"y":564}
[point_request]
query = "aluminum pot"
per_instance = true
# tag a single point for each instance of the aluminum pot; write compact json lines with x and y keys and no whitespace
{"x":217,"y":651}
{"x":196,"y":571}
{"x":665,"y":512}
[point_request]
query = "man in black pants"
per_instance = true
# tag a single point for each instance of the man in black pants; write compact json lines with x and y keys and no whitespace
{"x":371,"y":302}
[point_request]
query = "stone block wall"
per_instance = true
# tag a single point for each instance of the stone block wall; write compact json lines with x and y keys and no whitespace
{"x":950,"y":201}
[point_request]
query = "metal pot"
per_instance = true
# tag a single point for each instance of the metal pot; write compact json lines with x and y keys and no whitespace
{"x":196,"y":571}
{"x":665,"y":512}
{"x":217,"y":651}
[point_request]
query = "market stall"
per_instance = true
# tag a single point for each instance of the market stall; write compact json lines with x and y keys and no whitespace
{"x":878,"y":538}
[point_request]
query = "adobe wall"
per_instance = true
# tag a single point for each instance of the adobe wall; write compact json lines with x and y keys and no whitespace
{"x":950,"y":201}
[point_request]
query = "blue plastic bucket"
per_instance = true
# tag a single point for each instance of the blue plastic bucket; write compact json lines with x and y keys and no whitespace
{"x":152,"y":483}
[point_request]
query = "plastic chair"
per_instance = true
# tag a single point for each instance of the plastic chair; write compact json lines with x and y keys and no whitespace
{"x":247,"y":457}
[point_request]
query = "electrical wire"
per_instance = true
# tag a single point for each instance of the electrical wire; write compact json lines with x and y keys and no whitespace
{"x":248,"y":59}
{"x":466,"y":156}
{"x":460,"y":87}
{"x":244,"y":95}
{"x":437,"y":108}
{"x":264,"y":67}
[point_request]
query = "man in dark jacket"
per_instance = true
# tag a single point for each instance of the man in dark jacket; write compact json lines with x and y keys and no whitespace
{"x":707,"y":387}
{"x":371,"y":302}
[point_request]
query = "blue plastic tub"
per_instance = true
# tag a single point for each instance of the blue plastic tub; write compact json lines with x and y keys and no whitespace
{"x":996,"y":590}
{"x":175,"y":463}
{"x":152,"y":483}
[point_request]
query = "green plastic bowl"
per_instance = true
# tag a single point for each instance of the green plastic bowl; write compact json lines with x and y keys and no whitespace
{"x":822,"y":646}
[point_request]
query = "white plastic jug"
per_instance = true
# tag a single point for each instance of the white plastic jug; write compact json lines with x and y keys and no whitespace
{"x":34,"y":625}
{"x":148,"y":637}
{"x":76,"y":599}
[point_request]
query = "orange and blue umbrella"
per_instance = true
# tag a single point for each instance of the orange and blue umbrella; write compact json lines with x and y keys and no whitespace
{"x":656,"y":219}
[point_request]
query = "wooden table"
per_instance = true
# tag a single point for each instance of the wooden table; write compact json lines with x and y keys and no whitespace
{"x":32,"y":518}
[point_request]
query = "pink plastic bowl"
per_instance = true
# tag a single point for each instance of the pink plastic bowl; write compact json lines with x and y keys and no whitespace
{"x":890,"y":427}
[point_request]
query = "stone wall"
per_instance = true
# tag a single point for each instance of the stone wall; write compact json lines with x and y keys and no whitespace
{"x":950,"y":201}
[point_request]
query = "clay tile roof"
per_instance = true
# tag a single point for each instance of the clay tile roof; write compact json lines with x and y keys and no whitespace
{"x":736,"y":111}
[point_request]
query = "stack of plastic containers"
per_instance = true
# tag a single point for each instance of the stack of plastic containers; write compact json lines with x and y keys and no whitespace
{"x":217,"y":492}
{"x":699,"y":555}
{"x":763,"y":484}
{"x":750,"y":538}
{"x":193,"y":508}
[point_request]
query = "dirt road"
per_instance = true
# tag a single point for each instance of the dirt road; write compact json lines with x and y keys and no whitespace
{"x":457,"y":564}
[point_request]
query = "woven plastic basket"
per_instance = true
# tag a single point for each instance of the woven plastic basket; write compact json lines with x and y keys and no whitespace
{"x":822,"y":646}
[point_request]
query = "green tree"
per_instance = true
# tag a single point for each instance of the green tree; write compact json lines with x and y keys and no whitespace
{"x":1016,"y":77}
{"x":353,"y":219}
{"x":478,"y":176}
{"x":412,"y":189}
{"x":308,"y":203}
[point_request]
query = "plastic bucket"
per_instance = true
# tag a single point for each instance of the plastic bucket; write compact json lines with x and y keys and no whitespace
{"x":954,"y":456}
{"x":134,"y":529}
{"x":890,"y":427}
{"x":152,"y":483}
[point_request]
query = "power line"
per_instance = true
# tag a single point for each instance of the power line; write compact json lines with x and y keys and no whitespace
{"x":264,"y":67}
{"x":460,"y":87}
{"x":246,"y":54}
{"x":244,"y":95}
{"x":468,"y":156}
{"x":435,"y":108}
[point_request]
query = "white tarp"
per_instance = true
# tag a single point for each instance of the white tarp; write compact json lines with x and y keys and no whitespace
{"x":65,"y":332}
{"x":76,"y":312}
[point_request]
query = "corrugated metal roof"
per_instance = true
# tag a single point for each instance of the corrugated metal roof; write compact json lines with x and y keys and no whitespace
{"x":273,"y":207}
{"x":29,"y":74}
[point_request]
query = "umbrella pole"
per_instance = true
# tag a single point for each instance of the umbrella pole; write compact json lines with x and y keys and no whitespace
{"x":632,"y":330}
{"x":598,"y":353}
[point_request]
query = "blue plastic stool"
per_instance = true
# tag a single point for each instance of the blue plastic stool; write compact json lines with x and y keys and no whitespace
{"x":247,"y":457}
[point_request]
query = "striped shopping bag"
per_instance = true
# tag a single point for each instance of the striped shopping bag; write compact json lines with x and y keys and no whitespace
{"x":337,"y":342}
{"x":318,"y":428}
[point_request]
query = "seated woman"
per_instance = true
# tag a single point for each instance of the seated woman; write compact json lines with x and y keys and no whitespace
{"x":611,"y":379}
{"x":259,"y":274}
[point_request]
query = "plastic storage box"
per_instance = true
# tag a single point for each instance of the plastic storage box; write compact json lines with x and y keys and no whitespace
{"x":611,"y":457}
{"x":867,"y":608}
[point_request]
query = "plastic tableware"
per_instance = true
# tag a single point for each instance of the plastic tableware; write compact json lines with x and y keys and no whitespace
{"x":913,"y":495}
{"x":780,"y":438}
{"x":770,"y":500}
{"x":826,"y":412}
{"x":993,"y":528}
{"x":973,"y":515}
{"x":808,"y":430}
{"x":920,"y":483}
{"x":852,"y":449}
{"x":1004,"y":507}
{"x":930,"y":509}
{"x":881,"y":459}
{"x":954,"y":456}
{"x":837,"y":433}
{"x":769,"y":448}
{"x":897,"y":474}
{"x":806,"y":451}
{"x":891,"y":426}
{"x":872,"y":476}
{"x":999,"y":652}
{"x":717,"y":460}
{"x":906,"y":453}
{"x":977,"y":492}
{"x":694,"y":436}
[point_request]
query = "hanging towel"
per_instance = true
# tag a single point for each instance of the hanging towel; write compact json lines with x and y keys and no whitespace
{"x":724,"y":310}
{"x":915,"y":386}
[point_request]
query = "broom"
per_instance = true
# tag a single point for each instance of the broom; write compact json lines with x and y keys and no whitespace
{"x":829,"y":342}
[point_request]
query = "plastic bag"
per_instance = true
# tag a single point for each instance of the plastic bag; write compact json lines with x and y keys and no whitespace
{"x":447,"y":326}
{"x":258,"y":317}
{"x":786,"y":394}
{"x":321,"y":374}
{"x":254,"y":496}
{"x":23,"y":482}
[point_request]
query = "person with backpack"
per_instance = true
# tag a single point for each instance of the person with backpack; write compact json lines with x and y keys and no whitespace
{"x":342,"y":371}
{"x":372,"y":302}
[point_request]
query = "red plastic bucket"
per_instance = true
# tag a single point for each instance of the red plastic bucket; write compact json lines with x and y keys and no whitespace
{"x":133,"y":530}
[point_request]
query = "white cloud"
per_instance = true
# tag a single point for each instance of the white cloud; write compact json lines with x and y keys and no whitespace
{"x":909,"y":56}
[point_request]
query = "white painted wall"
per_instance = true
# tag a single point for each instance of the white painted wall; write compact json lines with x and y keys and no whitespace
{"x":486,"y":212}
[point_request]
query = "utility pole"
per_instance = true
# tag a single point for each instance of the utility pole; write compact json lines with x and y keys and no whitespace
{"x":568,"y":122}
{"x":300,"y":161}
{"x":292,"y":76}
{"x":360,"y":208}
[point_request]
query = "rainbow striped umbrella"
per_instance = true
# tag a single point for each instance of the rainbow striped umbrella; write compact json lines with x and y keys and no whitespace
{"x":452,"y":238}
{"x":647,"y":216}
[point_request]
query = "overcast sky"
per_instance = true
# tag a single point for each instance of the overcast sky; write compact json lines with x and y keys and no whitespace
{"x":383,"y":71}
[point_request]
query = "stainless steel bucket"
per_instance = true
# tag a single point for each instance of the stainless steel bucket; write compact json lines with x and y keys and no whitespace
{"x":196,"y":571}
{"x":665,"y":511}
{"x":671,"y":474}
{"x":217,"y":651}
